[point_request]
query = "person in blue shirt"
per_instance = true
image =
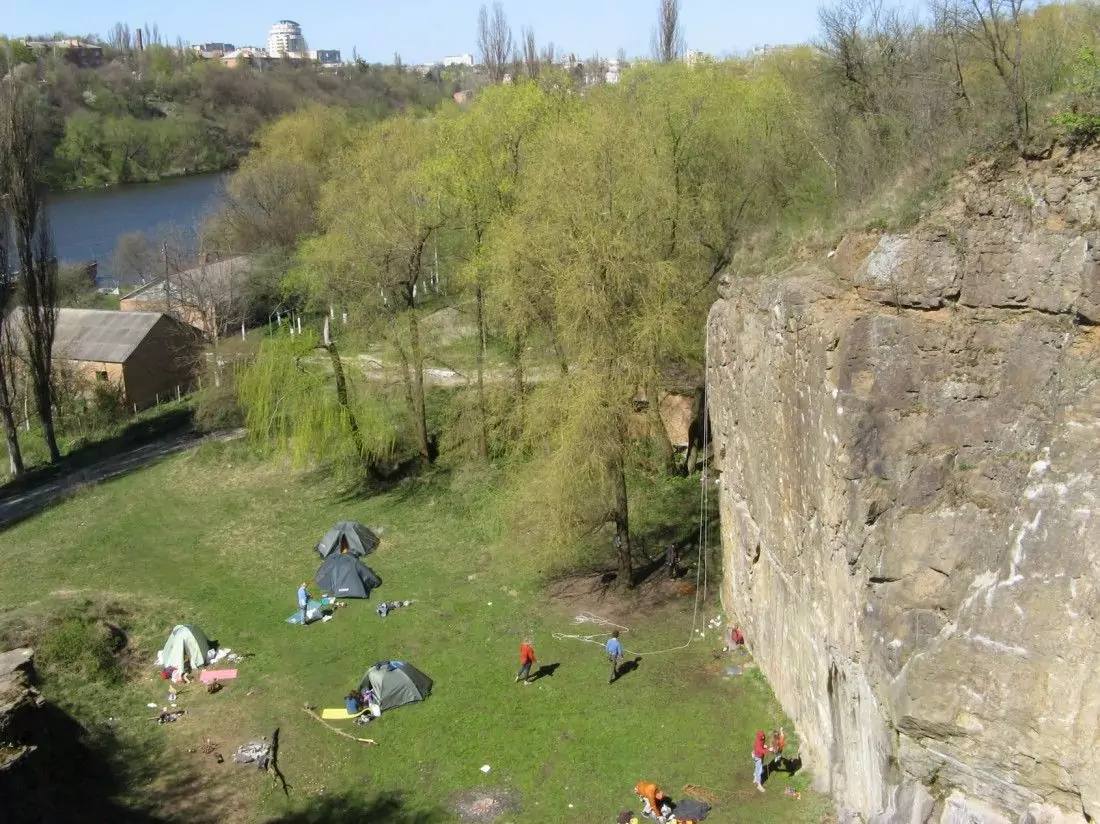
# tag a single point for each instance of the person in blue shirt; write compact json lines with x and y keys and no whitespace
{"x":303,"y":600}
{"x":351,"y":702}
{"x":614,"y":650}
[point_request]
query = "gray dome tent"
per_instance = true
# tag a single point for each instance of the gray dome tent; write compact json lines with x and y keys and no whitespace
{"x":361,"y":541}
{"x":345,"y":576}
{"x":396,"y":683}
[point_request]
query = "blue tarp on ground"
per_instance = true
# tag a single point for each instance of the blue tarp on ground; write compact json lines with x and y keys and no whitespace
{"x":315,"y":610}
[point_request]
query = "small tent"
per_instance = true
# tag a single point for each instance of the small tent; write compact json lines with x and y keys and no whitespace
{"x":345,"y":576}
{"x":186,"y":644}
{"x":396,"y":683}
{"x":361,"y":541}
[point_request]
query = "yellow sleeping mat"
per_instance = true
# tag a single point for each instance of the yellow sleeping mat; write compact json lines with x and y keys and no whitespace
{"x":340,"y":713}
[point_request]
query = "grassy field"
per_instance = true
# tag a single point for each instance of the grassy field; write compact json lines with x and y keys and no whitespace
{"x":218,"y":538}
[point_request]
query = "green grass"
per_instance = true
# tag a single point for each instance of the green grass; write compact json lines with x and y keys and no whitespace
{"x":220,"y":539}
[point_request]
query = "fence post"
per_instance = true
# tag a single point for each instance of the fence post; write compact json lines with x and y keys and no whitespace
{"x":242,"y":330}
{"x":177,"y":391}
{"x":158,"y":398}
{"x":299,"y":324}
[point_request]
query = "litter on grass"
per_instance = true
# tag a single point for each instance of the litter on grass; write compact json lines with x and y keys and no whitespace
{"x":485,"y":768}
{"x":254,"y":752}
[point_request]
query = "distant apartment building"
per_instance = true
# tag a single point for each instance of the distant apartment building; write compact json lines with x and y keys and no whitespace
{"x":458,"y":60}
{"x":285,"y":36}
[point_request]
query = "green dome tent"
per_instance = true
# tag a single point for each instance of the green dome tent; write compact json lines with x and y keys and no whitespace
{"x":361,"y":541}
{"x":186,"y":644}
{"x":396,"y":683}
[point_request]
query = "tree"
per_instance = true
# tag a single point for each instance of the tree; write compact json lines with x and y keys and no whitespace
{"x":494,"y":39}
{"x":532,"y":63}
{"x":995,"y":24}
{"x":293,"y":407}
{"x":378,"y":217}
{"x":134,"y":259}
{"x":7,"y":343}
{"x":477,"y":173}
{"x":668,"y":36}
{"x":21,"y":149}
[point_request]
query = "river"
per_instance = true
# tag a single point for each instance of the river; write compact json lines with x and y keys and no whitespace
{"x":87,"y":224}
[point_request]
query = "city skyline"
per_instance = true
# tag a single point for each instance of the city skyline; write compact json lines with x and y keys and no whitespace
{"x":376,"y":30}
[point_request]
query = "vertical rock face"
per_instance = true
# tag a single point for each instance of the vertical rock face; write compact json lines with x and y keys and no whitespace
{"x":910,"y":454}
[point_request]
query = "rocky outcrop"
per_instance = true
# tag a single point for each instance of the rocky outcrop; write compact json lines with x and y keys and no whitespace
{"x":909,"y":446}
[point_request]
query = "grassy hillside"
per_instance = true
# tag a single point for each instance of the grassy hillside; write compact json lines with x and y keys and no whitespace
{"x":216,"y":538}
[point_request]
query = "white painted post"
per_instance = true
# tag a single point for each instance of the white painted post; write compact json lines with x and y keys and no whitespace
{"x":26,"y":413}
{"x":135,"y":407}
{"x":344,"y":318}
{"x":331,"y":312}
{"x":325,"y":334}
{"x":177,"y":391}
{"x":242,"y":330}
{"x":158,"y":398}
{"x":299,"y":324}
{"x":279,"y":318}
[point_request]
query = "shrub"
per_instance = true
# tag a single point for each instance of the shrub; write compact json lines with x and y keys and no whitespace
{"x":82,"y":648}
{"x":216,"y":408}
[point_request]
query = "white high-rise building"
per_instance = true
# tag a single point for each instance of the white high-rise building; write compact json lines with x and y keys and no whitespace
{"x":285,"y":36}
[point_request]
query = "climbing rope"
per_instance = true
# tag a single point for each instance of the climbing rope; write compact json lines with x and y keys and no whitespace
{"x":600,"y":638}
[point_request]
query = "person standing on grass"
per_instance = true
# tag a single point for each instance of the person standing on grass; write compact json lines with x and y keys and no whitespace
{"x":759,"y":751}
{"x":614,"y":650}
{"x":303,"y":600}
{"x":526,"y":659}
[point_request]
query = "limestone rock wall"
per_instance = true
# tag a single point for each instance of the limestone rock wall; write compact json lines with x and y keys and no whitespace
{"x":909,"y":446}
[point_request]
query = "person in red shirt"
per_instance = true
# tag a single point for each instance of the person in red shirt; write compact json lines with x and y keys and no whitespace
{"x":526,"y":659}
{"x":760,"y":749}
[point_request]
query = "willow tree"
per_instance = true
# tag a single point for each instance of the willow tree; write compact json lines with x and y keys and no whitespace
{"x":477,"y":173}
{"x":295,"y":407}
{"x":377,"y":218}
{"x":587,"y":225}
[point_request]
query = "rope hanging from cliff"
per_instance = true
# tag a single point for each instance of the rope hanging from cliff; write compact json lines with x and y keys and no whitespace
{"x":600,"y":638}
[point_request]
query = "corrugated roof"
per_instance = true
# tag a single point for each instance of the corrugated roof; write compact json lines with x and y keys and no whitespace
{"x":100,"y":334}
{"x":220,"y":272}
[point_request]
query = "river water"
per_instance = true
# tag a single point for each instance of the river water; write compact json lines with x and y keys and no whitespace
{"x":87,"y":224}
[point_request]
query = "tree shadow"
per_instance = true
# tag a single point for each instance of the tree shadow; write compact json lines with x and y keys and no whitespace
{"x":386,"y":808}
{"x":545,"y":671}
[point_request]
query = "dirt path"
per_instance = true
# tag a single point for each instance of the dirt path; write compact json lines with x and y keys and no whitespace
{"x":24,"y":503}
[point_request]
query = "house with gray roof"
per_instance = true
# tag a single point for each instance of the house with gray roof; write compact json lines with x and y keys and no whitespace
{"x":146,"y":354}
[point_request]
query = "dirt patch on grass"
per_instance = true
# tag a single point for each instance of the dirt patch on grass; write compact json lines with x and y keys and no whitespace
{"x":485,"y":805}
{"x":598,"y":593}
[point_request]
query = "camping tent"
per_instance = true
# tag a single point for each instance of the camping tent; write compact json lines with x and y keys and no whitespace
{"x":186,"y":642}
{"x":345,"y":576}
{"x":361,"y":540}
{"x":396,"y":683}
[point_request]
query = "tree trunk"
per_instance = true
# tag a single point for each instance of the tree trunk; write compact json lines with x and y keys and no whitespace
{"x":345,"y":403}
{"x":483,"y":415}
{"x":621,"y":515}
{"x":11,"y":433}
{"x":43,"y":399}
{"x":420,"y":414}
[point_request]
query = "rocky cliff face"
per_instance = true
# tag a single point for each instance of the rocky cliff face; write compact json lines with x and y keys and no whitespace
{"x":909,"y":444}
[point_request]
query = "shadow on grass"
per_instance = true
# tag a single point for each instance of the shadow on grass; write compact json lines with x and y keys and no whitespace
{"x":387,"y":808}
{"x":138,"y":433}
{"x":545,"y":671}
{"x":627,"y":667}
{"x":64,"y":779}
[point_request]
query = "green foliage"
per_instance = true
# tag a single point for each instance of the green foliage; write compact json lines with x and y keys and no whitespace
{"x":1082,"y":120}
{"x":292,"y":409}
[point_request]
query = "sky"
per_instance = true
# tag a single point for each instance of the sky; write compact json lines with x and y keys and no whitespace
{"x":427,"y":30}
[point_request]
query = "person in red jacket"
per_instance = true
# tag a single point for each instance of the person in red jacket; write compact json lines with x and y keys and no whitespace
{"x":526,"y":659}
{"x":760,"y":749}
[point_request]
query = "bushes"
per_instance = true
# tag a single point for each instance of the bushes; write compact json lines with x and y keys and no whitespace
{"x":216,"y":408}
{"x":82,"y":647}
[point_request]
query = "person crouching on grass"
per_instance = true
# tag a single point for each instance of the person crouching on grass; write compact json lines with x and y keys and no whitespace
{"x":526,"y":659}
